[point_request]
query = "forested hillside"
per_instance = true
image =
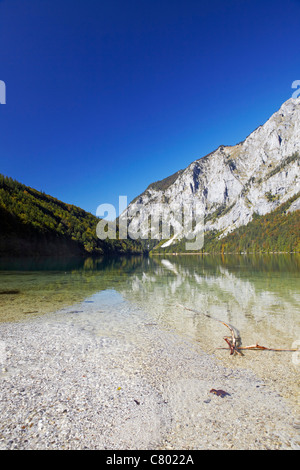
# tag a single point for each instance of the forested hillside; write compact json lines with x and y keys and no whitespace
{"x":33,"y":223}
{"x":277,"y":231}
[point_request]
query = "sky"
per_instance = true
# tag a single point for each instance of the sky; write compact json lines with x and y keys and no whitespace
{"x":105,"y":97}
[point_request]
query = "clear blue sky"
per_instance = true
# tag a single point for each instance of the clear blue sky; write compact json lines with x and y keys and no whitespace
{"x":105,"y":97}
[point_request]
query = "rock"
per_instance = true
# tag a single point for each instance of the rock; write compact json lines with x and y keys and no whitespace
{"x":234,"y":182}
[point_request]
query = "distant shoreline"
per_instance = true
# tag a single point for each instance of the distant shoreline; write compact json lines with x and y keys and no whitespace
{"x":230,"y":253}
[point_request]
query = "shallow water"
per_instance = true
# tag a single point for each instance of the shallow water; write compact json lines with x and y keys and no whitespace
{"x":258,"y":295}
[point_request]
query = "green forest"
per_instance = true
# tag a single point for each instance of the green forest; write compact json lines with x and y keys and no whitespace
{"x":34,"y":223}
{"x":277,"y":231}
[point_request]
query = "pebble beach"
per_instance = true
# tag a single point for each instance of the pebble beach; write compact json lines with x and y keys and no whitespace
{"x":67,"y":385}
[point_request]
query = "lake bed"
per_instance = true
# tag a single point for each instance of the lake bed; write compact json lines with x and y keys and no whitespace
{"x":110,"y":339}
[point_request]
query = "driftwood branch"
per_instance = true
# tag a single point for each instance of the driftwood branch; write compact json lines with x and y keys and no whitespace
{"x":235,"y":335}
{"x":235,"y":340}
{"x":257,"y":347}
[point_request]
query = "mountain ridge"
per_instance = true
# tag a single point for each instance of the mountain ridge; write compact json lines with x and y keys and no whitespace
{"x":234,"y":182}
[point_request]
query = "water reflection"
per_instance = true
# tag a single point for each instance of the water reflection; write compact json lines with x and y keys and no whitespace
{"x":30,"y":287}
{"x":259,"y":295}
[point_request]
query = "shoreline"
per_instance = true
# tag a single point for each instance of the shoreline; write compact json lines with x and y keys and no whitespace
{"x":65,"y":385}
{"x":229,"y":253}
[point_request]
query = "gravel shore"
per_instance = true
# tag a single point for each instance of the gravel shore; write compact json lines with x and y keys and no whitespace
{"x":65,"y":385}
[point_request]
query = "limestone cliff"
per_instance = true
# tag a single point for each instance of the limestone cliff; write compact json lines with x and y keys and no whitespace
{"x":233,"y":183}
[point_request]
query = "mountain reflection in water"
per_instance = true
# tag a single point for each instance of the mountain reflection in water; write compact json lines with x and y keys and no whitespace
{"x":258,"y":294}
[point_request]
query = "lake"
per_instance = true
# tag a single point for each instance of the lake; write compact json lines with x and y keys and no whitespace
{"x":259,"y":295}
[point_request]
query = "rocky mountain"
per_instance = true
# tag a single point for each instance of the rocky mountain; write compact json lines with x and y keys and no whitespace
{"x":233,"y":184}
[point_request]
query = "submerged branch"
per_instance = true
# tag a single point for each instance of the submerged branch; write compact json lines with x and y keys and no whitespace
{"x":235,"y":335}
{"x":257,"y":347}
{"x":235,"y":340}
